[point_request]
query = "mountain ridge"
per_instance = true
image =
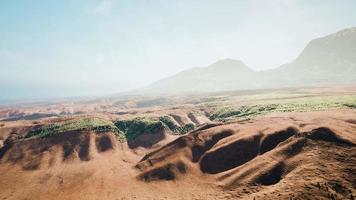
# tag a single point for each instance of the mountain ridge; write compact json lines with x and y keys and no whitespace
{"x":325,"y":60}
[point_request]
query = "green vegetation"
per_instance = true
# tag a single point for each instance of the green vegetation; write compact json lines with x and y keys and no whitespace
{"x":186,"y":128}
{"x":169,"y":123}
{"x":174,"y":128}
{"x":123,"y":129}
{"x":130,"y":129}
{"x":226,"y":114}
{"x":294,"y":105}
{"x":350,"y":105}
{"x":94,"y":124}
{"x":135,"y":127}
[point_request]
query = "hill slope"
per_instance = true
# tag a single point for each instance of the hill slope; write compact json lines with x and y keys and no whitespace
{"x":281,"y":156}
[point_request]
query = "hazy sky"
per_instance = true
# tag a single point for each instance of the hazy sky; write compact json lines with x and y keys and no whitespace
{"x":91,"y":47}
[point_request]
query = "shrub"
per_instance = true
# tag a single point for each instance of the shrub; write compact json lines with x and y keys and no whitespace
{"x":291,"y":105}
{"x":226,"y":114}
{"x":95,"y":124}
{"x":135,"y":127}
{"x":169,"y":123}
{"x":174,"y":128}
{"x":186,"y":128}
{"x":350,"y":105}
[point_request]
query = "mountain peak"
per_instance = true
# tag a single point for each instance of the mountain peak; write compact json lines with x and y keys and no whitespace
{"x":346,"y":32}
{"x":227,"y":62}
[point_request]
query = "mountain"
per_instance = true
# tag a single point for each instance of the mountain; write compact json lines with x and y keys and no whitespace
{"x":224,"y":74}
{"x":326,"y":60}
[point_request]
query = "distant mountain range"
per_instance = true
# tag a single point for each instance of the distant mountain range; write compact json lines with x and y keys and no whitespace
{"x":324,"y":61}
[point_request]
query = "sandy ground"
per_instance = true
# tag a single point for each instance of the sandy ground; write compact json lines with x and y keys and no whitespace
{"x":279,"y":156}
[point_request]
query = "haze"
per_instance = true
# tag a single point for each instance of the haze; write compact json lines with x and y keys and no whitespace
{"x":84,"y":48}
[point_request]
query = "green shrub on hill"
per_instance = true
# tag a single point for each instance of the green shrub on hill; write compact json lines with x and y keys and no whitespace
{"x":94,"y":124}
{"x":186,"y":128}
{"x":350,"y":105}
{"x":174,"y":128}
{"x":169,"y":123}
{"x":135,"y":127}
{"x":297,"y":105}
{"x":123,"y":129}
{"x":226,"y":113}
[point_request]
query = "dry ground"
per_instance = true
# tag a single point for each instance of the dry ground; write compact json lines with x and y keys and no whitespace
{"x":288,"y":155}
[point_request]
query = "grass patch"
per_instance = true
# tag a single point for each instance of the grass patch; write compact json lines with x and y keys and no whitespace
{"x":300,"y":105}
{"x":94,"y":124}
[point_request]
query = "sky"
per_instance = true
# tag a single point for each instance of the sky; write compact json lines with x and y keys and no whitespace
{"x":51,"y":49}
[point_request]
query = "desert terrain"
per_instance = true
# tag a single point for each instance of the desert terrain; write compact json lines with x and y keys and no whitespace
{"x":177,"y":100}
{"x":295,"y":143}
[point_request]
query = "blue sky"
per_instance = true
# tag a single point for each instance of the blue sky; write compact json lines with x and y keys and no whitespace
{"x":96,"y":47}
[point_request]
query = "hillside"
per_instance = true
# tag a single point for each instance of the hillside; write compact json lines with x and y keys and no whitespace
{"x":281,"y":156}
{"x":326,"y":60}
